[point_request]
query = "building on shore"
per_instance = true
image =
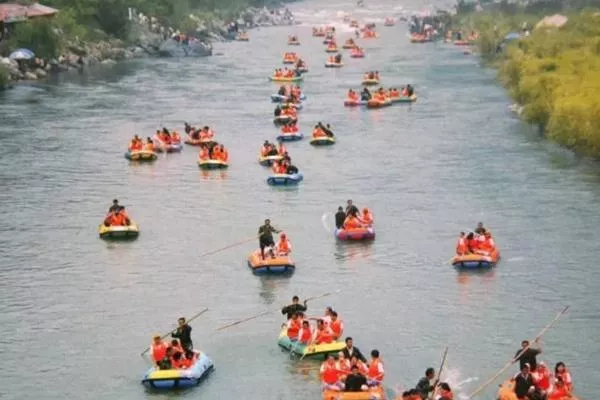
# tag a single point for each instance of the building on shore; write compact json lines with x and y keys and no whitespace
{"x":13,"y":13}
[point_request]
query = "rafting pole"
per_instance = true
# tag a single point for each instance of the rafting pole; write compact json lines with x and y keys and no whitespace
{"x":516,"y":358}
{"x":168,"y":333}
{"x":268,"y":312}
{"x":439,"y":375}
{"x":228,"y":247}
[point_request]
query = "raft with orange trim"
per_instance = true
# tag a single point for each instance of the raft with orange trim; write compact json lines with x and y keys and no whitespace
{"x":293,"y":43}
{"x":370,"y":82}
{"x":267,"y":161}
{"x":212,"y":164}
{"x":310,"y":350}
{"x":283,"y":119}
{"x":357,"y":54}
{"x":476,"y":261}
{"x":179,"y":378}
{"x":322,"y":141}
{"x":270,"y":265}
{"x":197,"y":142}
{"x":404,"y":99}
{"x":374,"y":393}
{"x":141,"y":156}
{"x":119,"y":232}
{"x":285,"y":179}
{"x":334,"y":65}
{"x":290,"y":137}
{"x":363,"y":233}
{"x":286,"y":78}
{"x":331,"y":50}
{"x":354,"y":103}
{"x":378,"y":103}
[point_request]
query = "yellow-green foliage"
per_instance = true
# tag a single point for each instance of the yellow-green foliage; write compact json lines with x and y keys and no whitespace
{"x":555,"y":75}
{"x":4,"y":76}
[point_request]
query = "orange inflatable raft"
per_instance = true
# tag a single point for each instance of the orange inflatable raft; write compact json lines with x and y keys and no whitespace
{"x":476,"y":261}
{"x":374,"y":393}
{"x":279,"y":264}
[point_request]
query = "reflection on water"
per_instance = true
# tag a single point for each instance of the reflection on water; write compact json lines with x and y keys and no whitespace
{"x":466,"y":279}
{"x":218,"y":175}
{"x":270,"y":285}
{"x":353,"y":251}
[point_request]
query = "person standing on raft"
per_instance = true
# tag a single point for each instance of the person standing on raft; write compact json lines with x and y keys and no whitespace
{"x":425,"y":385}
{"x":115,"y":206}
{"x":265,"y":237}
{"x":184,"y":334}
{"x":351,"y":209}
{"x":340,"y":217}
{"x":294,"y":308}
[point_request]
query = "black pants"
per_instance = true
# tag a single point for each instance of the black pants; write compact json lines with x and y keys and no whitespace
{"x":265,"y":242}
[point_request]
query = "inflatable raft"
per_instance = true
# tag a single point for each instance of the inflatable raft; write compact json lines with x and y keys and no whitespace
{"x":277,"y":98}
{"x":404,"y":99}
{"x":378,"y":104}
{"x":322,"y":141}
{"x":355,"y":54}
{"x":374,"y":393}
{"x":289,"y":61}
{"x":354,"y":103}
{"x":285,"y":78}
{"x":170,"y":148}
{"x":334,"y":65}
{"x":331,"y":50}
{"x":197,"y":142}
{"x":303,"y":350}
{"x":476,"y":261}
{"x":141,"y":156}
{"x":370,"y":82}
{"x":212,"y":164}
{"x":179,"y":378}
{"x":277,"y":265}
{"x":293,"y":43}
{"x":119,"y":232}
{"x":297,"y":106}
{"x":355,"y":234}
{"x":303,"y":69}
{"x":290,"y":137}
{"x":267,"y":161}
{"x":283,"y":119}
{"x":285,"y":179}
{"x":348,"y":46}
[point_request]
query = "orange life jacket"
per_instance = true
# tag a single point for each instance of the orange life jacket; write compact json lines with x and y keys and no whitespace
{"x":351,"y":223}
{"x":204,"y":154}
{"x":324,"y":336}
{"x":224,"y":155}
{"x":293,"y":329}
{"x":158,"y":351}
{"x":284,"y":247}
{"x":336,"y":328}
{"x":367,"y":218}
{"x":559,"y":393}
{"x":375,"y":370}
{"x":329,"y":373}
{"x":306,"y":336}
{"x":461,"y":247}
{"x":149,"y":147}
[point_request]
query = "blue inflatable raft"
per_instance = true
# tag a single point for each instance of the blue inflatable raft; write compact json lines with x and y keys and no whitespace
{"x":285,"y":179}
{"x":178,"y":378}
{"x":290,"y":137}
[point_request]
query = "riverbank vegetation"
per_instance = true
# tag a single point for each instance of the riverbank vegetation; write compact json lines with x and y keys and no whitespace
{"x":553,"y":73}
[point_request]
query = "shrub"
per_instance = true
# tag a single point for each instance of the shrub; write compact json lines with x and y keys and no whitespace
{"x":40,"y":36}
{"x":4,"y":76}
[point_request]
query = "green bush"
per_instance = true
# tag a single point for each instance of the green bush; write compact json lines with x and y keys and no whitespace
{"x":40,"y":36}
{"x":4,"y":76}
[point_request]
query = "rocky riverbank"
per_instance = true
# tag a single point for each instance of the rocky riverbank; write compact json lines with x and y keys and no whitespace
{"x":147,"y":39}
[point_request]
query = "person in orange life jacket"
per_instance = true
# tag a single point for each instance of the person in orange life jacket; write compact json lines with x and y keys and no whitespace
{"x":121,"y":217}
{"x":330,"y":375}
{"x":187,"y":361}
{"x":149,"y":146}
{"x":362,"y":367}
{"x":461,"y":245}
{"x":305,"y":335}
{"x":559,"y":390}
{"x":175,"y":138}
{"x":376,"y":373}
{"x":528,"y":356}
{"x":178,"y":360}
{"x":472,"y":244}
{"x":281,"y":150}
{"x":184,"y":334}
{"x":216,"y":153}
{"x":204,"y":152}
{"x":326,"y":129}
{"x":294,"y":308}
{"x":158,"y":349}
{"x":327,"y":317}
{"x":336,"y":325}
{"x":352,"y":222}
{"x":367,"y":217}
{"x":350,"y":350}
{"x":224,"y":153}
{"x":524,"y":386}
{"x":176,"y":346}
{"x":487,"y":244}
{"x":445,"y":391}
{"x":561,"y":371}
{"x":293,"y":327}
{"x":343,"y":364}
{"x":283,"y":247}
{"x":542,"y":379}
{"x":166,"y":363}
{"x":355,"y":381}
{"x":323,"y":333}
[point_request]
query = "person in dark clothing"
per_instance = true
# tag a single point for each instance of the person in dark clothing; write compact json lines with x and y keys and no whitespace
{"x":340,"y":217}
{"x":350,"y":351}
{"x":410,"y":90}
{"x":480,"y":230}
{"x":281,"y":91}
{"x":355,"y":382}
{"x":277,"y":111}
{"x":115,"y":206}
{"x":338,"y":58}
{"x":265,"y":237}
{"x":291,"y":169}
{"x":295,"y":307}
{"x":365,"y":95}
{"x":424,"y":386}
{"x":326,"y":129}
{"x":184,"y":334}
{"x":524,"y":385}
{"x":527,"y":355}
{"x":165,"y":363}
{"x":351,"y":209}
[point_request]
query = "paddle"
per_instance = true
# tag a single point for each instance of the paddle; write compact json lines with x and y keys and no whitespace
{"x":228,"y":247}
{"x":270,"y":311}
{"x":439,"y":376}
{"x":516,"y":358}
{"x":168,"y":333}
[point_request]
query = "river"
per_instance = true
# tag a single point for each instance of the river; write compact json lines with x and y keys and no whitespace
{"x":75,"y":311}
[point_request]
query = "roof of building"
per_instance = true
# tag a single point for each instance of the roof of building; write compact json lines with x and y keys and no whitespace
{"x":10,"y":12}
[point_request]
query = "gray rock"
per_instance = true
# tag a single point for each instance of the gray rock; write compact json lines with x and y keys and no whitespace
{"x":40,"y":73}
{"x":30,"y":76}
{"x":172,"y":48}
{"x":108,"y":61}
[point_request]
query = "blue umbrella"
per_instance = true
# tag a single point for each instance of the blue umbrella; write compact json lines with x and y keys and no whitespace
{"x":21,"y":54}
{"x":512,"y":36}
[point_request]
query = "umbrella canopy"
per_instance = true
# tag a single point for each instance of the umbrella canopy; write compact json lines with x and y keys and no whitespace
{"x":21,"y":54}
{"x":512,"y":36}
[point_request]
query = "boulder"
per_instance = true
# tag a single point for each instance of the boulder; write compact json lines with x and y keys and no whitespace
{"x":30,"y":76}
{"x":40,"y":73}
{"x":108,"y":61}
{"x":172,"y":48}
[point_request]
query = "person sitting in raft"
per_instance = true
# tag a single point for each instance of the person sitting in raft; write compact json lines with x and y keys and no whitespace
{"x":352,"y":95}
{"x":265,"y":237}
{"x":293,"y":325}
{"x":175,"y":138}
{"x":343,"y":364}
{"x":340,"y":217}
{"x":485,"y":246}
{"x":287,"y":158}
{"x":149,"y":146}
{"x":318,"y":132}
{"x":277,"y":111}
{"x":524,"y":385}
{"x":136,"y":144}
{"x":216,"y":153}
{"x":117,"y":218}
{"x":305,"y":336}
{"x":365,"y":95}
{"x":330,"y":375}
{"x":461,"y":245}
{"x":282,"y":91}
{"x":355,"y":381}
{"x":204,"y":153}
{"x":445,"y":391}
{"x":376,"y":373}
{"x":115,"y":206}
{"x":336,"y":325}
{"x":283,"y":247}
{"x":559,"y":390}
{"x":295,"y":307}
{"x":290,"y":169}
{"x":158,"y":349}
{"x":176,"y":346}
{"x":409,"y":90}
{"x":338,"y":58}
{"x":426,"y":384}
{"x":367,"y":217}
{"x":184,"y":334}
{"x":376,"y":75}
{"x":326,"y":129}
{"x":561,"y":371}
{"x":542,"y":380}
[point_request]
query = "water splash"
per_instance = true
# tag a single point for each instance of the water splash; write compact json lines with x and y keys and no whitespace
{"x":324,"y":222}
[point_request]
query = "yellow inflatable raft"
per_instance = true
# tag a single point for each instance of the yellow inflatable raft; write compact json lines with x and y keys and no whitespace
{"x":374,"y":393}
{"x":310,"y":350}
{"x":119,"y":232}
{"x":270,"y":265}
{"x":212,"y":164}
{"x":370,"y":82}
